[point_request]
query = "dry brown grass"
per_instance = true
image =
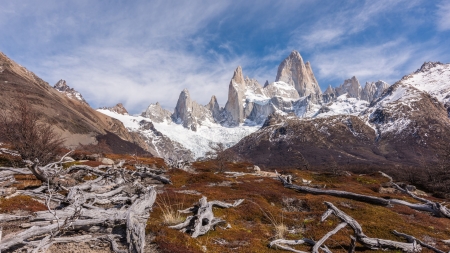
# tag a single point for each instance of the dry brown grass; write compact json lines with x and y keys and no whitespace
{"x":26,"y":181}
{"x":170,"y":214}
{"x":20,"y":203}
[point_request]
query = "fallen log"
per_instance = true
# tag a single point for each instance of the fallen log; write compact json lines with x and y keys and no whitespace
{"x":335,"y":193}
{"x":437,"y":209}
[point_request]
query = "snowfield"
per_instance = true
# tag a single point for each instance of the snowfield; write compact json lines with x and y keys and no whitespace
{"x":197,"y":142}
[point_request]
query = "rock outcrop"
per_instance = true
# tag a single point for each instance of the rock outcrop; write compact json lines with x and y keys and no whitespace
{"x":295,"y":72}
{"x":156,"y":113}
{"x":351,"y":87}
{"x":119,"y":108}
{"x":373,"y":90}
{"x":62,"y":87}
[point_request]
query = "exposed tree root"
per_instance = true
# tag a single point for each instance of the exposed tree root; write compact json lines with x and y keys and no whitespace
{"x":203,"y":219}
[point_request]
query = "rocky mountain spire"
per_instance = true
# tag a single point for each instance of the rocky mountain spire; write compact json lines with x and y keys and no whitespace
{"x":182,"y":113}
{"x":373,"y":90}
{"x":236,"y":94}
{"x":189,"y":112}
{"x":298,"y":74}
{"x":329,"y":90}
{"x":351,"y":87}
{"x":214,"y":107}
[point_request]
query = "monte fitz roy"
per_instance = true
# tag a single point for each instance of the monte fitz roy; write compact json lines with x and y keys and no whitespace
{"x":380,"y":124}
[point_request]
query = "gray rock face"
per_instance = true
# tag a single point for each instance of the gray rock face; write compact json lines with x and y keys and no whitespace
{"x":156,"y":113}
{"x":373,"y":90}
{"x":298,"y":74}
{"x":351,"y":87}
{"x":329,"y":95}
{"x":214,"y":107}
{"x":161,"y":145}
{"x":189,"y":113}
{"x":62,"y":87}
{"x":234,"y":109}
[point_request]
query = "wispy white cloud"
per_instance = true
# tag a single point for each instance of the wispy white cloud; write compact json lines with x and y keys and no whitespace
{"x":389,"y":61}
{"x":443,"y":14}
{"x":341,"y":22}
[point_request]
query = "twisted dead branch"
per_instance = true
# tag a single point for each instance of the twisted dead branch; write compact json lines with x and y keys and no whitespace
{"x":203,"y":219}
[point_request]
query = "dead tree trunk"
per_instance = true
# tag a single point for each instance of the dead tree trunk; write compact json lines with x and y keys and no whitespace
{"x":437,"y":209}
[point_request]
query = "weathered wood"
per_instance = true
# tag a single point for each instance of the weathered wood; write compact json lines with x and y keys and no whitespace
{"x":203,"y":219}
{"x":335,"y":193}
{"x":410,"y":238}
{"x":279,"y":244}
{"x":372,"y":243}
{"x":8,"y":217}
{"x":319,"y":243}
{"x":437,"y":209}
{"x":114,"y":246}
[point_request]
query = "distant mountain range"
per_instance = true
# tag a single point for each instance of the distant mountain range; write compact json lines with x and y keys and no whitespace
{"x":274,"y":123}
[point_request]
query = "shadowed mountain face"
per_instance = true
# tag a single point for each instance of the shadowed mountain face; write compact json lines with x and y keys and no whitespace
{"x":73,"y":118}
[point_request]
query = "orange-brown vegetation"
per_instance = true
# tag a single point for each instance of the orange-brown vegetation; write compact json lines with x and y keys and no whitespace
{"x":26,"y":181}
{"x":20,"y":203}
{"x":266,"y":205}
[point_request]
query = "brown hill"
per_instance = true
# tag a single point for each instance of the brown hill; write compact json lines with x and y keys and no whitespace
{"x":75,"y":120}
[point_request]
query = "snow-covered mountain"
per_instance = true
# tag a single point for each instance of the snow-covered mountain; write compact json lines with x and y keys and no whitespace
{"x":295,"y":92}
{"x":407,"y":124}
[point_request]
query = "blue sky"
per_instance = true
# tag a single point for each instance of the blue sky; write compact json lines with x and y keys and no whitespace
{"x":141,"y":52}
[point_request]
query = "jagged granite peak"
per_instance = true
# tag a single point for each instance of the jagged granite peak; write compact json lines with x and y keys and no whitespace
{"x":214,"y":107}
{"x":266,"y":83}
{"x":190,"y":113}
{"x":329,"y":90}
{"x":351,"y":87}
{"x":71,"y":93}
{"x":373,"y":90}
{"x":238,"y":77}
{"x":119,"y":108}
{"x":295,"y":72}
{"x":234,"y":108}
